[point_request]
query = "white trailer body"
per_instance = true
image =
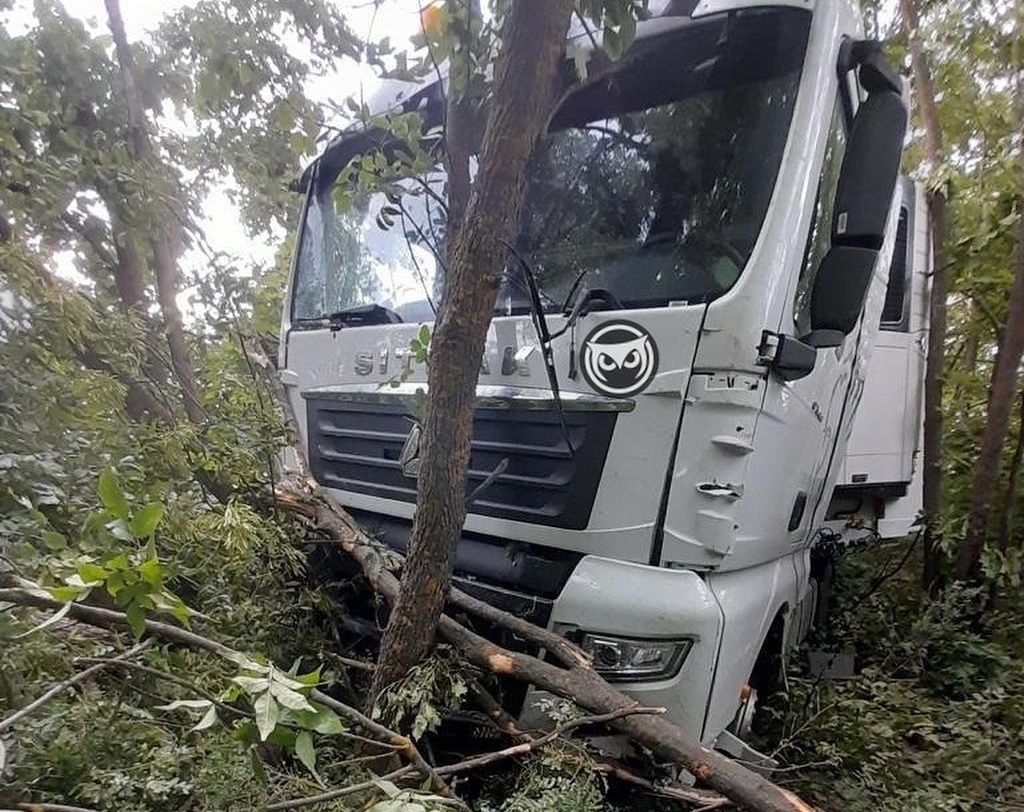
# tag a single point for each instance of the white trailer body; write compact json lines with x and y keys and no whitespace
{"x":707,"y":403}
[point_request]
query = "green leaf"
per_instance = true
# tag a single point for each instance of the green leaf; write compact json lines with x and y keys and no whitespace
{"x":54,"y":540}
{"x":120,"y":530}
{"x":322,"y":720}
{"x":91,"y":573}
{"x":267,"y":713}
{"x":247,"y":663}
{"x":136,"y":620}
{"x":252,"y":685}
{"x":115,"y":583}
{"x":65,"y":593}
{"x":289,"y":698}
{"x":152,"y":573}
{"x":388,"y":788}
{"x":146,"y":520}
{"x":111,"y":495}
{"x":304,"y":750}
{"x":208,"y":720}
{"x":310,"y":679}
{"x":193,"y":704}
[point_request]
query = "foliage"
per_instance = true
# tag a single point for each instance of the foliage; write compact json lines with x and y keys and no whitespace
{"x":435,"y":686}
{"x":104,"y":502}
{"x":932,"y":718}
{"x":553,"y":780}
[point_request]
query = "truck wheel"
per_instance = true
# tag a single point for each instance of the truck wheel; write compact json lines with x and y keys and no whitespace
{"x":764,"y":703}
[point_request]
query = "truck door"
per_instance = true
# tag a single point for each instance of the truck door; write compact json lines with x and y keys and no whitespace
{"x":808,"y":412}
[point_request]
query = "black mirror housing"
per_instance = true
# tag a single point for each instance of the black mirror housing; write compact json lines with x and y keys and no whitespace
{"x":868,"y":174}
{"x":840,"y":287}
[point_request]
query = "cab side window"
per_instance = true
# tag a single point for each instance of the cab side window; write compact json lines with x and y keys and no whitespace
{"x":820,"y":235}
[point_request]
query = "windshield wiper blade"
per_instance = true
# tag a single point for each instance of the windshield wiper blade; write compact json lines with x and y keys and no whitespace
{"x":540,"y":323}
{"x":357,"y":316}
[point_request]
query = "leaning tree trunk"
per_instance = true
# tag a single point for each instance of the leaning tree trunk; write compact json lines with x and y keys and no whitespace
{"x":1006,"y":518}
{"x":987,"y":463}
{"x":939,"y":221}
{"x":534,"y":39}
{"x":141,"y":150}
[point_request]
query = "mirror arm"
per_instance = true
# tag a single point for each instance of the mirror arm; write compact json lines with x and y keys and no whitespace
{"x":789,"y":357}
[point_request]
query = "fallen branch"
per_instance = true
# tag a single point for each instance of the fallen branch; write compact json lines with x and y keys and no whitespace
{"x":169,"y":677}
{"x":61,"y":687}
{"x":533,"y":744}
{"x":577,"y":681}
{"x":108,"y":618}
{"x":468,"y":764}
{"x":341,"y":792}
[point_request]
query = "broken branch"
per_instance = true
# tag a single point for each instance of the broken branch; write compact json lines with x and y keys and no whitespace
{"x":107,"y":618}
{"x":61,"y":687}
{"x":577,"y":682}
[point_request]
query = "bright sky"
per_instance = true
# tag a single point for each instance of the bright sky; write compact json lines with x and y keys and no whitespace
{"x":398,"y":19}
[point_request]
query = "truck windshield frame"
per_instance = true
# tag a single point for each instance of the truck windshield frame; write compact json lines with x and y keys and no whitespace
{"x":652,"y":183}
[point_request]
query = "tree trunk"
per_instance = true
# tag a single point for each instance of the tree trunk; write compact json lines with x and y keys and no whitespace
{"x":987,"y":463}
{"x":566,"y":670}
{"x":939,"y":221}
{"x":534,"y":39}
{"x":459,"y":125}
{"x":1013,"y":475}
{"x":141,"y":150}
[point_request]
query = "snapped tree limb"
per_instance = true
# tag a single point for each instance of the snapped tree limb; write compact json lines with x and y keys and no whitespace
{"x":108,"y":618}
{"x":575,"y":679}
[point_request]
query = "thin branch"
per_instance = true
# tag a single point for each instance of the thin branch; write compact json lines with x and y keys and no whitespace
{"x":35,"y":807}
{"x":350,"y":662}
{"x":61,"y":687}
{"x":169,"y":677}
{"x":107,"y":618}
{"x":330,"y":795}
{"x":568,"y":653}
{"x":525,"y":747}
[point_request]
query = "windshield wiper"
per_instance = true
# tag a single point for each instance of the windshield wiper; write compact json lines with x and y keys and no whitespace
{"x":580,"y":301}
{"x":357,"y":316}
{"x":540,"y":324}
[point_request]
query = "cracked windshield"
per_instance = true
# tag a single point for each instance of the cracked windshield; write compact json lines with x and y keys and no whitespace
{"x":652,"y":183}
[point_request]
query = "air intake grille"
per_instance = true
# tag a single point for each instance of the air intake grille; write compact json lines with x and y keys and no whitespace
{"x":355,"y":447}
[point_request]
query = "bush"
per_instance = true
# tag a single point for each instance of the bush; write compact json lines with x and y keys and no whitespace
{"x":932,"y":719}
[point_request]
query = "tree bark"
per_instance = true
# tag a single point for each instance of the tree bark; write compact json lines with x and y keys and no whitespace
{"x":141,"y":150}
{"x":1006,"y":518}
{"x":987,"y":464}
{"x":533,"y":38}
{"x":572,"y":677}
{"x":1010,"y":348}
{"x":934,"y":373}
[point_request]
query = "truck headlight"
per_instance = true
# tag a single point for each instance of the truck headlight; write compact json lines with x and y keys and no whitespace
{"x":631,"y":659}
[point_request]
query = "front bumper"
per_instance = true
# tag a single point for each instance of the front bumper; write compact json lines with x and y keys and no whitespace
{"x":634,"y":600}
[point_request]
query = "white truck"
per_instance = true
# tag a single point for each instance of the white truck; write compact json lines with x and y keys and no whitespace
{"x":734,"y":282}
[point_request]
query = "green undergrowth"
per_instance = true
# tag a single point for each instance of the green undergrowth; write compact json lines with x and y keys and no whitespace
{"x":931,"y":720}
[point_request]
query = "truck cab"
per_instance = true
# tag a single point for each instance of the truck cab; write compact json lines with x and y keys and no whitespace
{"x":711,"y":223}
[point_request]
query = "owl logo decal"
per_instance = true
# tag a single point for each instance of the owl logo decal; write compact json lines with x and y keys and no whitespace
{"x":620,"y":358}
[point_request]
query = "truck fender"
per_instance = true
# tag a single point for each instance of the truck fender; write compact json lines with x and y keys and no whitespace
{"x":753,"y":602}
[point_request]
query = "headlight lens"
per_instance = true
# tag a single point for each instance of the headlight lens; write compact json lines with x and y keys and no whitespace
{"x":629,"y":659}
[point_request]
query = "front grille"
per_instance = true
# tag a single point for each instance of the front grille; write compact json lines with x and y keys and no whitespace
{"x":354,"y":446}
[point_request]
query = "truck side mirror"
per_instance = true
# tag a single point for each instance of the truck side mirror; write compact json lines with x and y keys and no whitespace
{"x":838,"y":294}
{"x":864,"y":196}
